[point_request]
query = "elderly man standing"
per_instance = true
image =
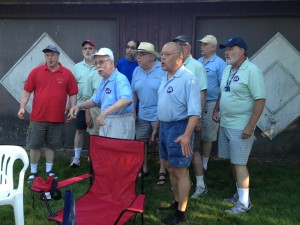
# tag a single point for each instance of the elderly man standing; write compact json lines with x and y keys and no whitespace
{"x":146,"y":80}
{"x":114,"y":96}
{"x":82,"y":72}
{"x":214,"y":66}
{"x":51,"y":84}
{"x":178,"y":113}
{"x":199,"y":71}
{"x":241,"y":103}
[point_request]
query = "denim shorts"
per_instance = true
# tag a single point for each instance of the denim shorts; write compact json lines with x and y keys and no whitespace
{"x":169,"y":149}
{"x":79,"y":122}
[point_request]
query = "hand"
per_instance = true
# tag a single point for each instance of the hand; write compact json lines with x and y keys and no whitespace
{"x":88,"y":120}
{"x":185,"y":145}
{"x":153,"y":136}
{"x":21,"y":113}
{"x":72,"y":113}
{"x":100,"y":119}
{"x":216,"y":116}
{"x":247,"y":132}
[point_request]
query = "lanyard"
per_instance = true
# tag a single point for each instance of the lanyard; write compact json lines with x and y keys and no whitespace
{"x":228,"y":82}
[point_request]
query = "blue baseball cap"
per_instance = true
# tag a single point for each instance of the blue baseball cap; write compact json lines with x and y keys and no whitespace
{"x":51,"y":48}
{"x":235,"y":41}
{"x":183,"y":38}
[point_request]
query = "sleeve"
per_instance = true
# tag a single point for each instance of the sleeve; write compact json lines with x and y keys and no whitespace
{"x":30,"y":83}
{"x":193,"y":97}
{"x":124,"y":88}
{"x":257,"y":85}
{"x":222,"y":65}
{"x":72,"y":86}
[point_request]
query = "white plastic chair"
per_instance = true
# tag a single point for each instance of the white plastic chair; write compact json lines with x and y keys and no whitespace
{"x":9,"y":195}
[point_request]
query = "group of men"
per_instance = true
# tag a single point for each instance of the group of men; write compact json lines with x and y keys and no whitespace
{"x":178,"y":99}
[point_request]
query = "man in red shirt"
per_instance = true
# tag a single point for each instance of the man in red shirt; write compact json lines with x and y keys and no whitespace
{"x":51,"y":84}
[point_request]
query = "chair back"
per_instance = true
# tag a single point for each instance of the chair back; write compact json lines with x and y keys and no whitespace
{"x":115,"y":163}
{"x":8,"y":155}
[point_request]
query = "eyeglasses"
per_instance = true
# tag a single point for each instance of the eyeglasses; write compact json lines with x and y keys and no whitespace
{"x":167,"y":54}
{"x":131,"y":47}
{"x":101,"y":62}
{"x":87,"y":48}
{"x":141,"y":54}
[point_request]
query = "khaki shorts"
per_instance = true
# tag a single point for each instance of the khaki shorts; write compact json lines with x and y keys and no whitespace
{"x":210,"y":127}
{"x":95,"y":112}
{"x":40,"y":134}
{"x":143,"y":129}
{"x":119,"y":126}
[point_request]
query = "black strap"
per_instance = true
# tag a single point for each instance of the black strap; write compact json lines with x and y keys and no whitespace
{"x":54,"y":192}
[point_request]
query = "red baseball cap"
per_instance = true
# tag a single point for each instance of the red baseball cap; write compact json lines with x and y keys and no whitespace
{"x":91,"y":42}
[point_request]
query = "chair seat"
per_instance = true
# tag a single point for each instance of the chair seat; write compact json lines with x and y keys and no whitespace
{"x":107,"y":211}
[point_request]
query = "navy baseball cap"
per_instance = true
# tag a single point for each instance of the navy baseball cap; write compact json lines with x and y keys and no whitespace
{"x":235,"y":41}
{"x":91,"y":42}
{"x":183,"y":38}
{"x":51,"y":48}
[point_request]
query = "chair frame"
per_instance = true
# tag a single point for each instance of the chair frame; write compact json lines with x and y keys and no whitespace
{"x":136,"y":206}
{"x":11,"y":196}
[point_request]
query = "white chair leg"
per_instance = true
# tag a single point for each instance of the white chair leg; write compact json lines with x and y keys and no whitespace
{"x":19,"y":210}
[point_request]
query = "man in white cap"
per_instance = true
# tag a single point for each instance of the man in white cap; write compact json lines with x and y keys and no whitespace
{"x":214,"y":66}
{"x":114,"y":96}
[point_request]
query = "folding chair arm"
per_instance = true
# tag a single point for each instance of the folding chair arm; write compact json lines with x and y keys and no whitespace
{"x":63,"y":183}
{"x":73,"y":180}
{"x":138,"y":204}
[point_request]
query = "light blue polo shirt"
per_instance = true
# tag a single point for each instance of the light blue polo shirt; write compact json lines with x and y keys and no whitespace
{"x":246,"y":86}
{"x":198,"y":70}
{"x":110,"y":91}
{"x":145,"y":86}
{"x":82,"y":71}
{"x":178,"y":97}
{"x":214,"y":69}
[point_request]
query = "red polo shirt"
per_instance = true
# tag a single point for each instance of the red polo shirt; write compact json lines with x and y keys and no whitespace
{"x":50,"y":92}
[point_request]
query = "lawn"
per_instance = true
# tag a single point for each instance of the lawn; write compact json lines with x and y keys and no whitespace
{"x":274,"y":191}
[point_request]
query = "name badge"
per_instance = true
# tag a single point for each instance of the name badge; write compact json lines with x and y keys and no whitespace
{"x":227,"y":88}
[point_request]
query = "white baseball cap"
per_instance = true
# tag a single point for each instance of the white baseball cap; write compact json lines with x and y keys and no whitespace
{"x":210,"y":39}
{"x":105,"y":51}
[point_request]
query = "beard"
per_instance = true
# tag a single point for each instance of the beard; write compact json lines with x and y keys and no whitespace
{"x":88,"y":57}
{"x":130,"y":57}
{"x":233,"y":60}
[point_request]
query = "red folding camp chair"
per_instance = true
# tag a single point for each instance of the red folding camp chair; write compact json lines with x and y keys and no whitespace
{"x":112,"y":197}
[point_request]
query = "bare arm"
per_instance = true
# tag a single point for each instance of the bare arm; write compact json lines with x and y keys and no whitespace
{"x":216,"y":113}
{"x":185,"y":139}
{"x":23,"y":103}
{"x":256,"y":112}
{"x":84,"y":105}
{"x":120,"y":104}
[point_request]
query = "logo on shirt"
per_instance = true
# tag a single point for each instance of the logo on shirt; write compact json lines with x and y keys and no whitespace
{"x":170,"y":90}
{"x":107,"y":91}
{"x":207,"y":70}
{"x":236,"y":78}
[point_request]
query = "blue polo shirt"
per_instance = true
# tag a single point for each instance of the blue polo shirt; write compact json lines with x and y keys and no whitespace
{"x":145,"y":86}
{"x":178,"y":97}
{"x":110,"y":91}
{"x":214,"y":69}
{"x":126,"y":67}
{"x":82,"y":71}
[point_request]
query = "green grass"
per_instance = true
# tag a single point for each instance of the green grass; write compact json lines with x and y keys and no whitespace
{"x":274,"y":191}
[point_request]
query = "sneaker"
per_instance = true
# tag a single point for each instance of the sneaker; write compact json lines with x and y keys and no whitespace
{"x":172,"y":207}
{"x":52,"y":174}
{"x":175,"y":219}
{"x":239,"y":208}
{"x":200,"y":191}
{"x":234,"y":199}
{"x":31,"y":177}
{"x":75,"y":163}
